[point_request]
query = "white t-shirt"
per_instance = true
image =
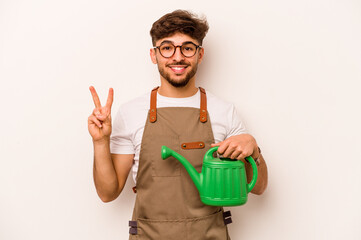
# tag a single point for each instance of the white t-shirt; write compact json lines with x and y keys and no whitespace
{"x":129,"y":122}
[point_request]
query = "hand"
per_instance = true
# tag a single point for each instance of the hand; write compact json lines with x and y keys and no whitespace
{"x":238,"y":147}
{"x":100,"y":122}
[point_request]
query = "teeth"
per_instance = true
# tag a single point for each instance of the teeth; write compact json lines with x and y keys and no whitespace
{"x":177,"y":68}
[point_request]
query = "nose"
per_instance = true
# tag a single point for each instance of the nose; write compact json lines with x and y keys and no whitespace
{"x":178,"y":56}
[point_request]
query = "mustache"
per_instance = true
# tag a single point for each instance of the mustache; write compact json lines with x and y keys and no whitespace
{"x":179,"y":63}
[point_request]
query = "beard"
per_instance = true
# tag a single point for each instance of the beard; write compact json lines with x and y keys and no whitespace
{"x":182,"y":82}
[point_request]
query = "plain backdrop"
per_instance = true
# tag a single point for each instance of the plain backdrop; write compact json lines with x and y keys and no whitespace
{"x":292,"y":69}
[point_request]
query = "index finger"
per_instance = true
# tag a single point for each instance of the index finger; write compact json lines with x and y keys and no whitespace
{"x":95,"y":97}
{"x":110,"y":98}
{"x":223,"y":147}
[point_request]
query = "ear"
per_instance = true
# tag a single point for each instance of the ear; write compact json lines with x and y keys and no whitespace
{"x":153,"y":56}
{"x":200,"y":55}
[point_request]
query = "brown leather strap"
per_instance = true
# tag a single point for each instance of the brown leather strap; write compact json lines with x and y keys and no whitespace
{"x":192,"y":145}
{"x":153,"y":105}
{"x":203,"y":110}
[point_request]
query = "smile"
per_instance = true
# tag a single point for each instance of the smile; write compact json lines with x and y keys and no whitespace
{"x":178,"y":69}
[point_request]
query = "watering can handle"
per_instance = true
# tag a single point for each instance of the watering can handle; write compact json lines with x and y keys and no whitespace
{"x":209,"y":153}
{"x":250,"y":186}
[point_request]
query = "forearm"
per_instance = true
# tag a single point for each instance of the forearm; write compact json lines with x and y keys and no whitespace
{"x":105,"y":177}
{"x":262,"y":179}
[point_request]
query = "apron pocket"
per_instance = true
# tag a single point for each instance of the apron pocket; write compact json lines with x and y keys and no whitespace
{"x":169,"y":167}
{"x":161,"y":230}
{"x":210,"y":227}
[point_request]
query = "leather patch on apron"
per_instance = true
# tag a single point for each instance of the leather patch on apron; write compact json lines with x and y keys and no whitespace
{"x":192,"y":145}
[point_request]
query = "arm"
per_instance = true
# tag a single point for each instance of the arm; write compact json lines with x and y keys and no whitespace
{"x":241,"y":146}
{"x":110,"y":172}
{"x":262,"y":179}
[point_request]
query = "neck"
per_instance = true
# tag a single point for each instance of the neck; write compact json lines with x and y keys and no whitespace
{"x":167,"y":90}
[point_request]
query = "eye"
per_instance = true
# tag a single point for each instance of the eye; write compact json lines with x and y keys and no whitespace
{"x":166,"y":47}
{"x":188,"y":48}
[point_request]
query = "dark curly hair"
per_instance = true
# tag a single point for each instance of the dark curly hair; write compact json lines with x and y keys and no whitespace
{"x":179,"y":21}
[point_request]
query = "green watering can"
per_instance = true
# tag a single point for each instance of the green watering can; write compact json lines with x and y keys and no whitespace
{"x":222,"y":182}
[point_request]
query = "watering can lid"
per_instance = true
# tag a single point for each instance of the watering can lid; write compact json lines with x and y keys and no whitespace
{"x":226,"y":162}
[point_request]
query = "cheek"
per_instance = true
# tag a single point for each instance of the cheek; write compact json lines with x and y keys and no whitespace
{"x":158,"y":61}
{"x":194,"y":62}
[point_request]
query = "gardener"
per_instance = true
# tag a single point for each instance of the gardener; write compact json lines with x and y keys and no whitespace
{"x":181,"y":116}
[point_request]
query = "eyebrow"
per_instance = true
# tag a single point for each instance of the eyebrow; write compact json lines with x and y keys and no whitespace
{"x":167,"y":41}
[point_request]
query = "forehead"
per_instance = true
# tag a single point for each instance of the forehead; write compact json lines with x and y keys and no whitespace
{"x":177,"y":39}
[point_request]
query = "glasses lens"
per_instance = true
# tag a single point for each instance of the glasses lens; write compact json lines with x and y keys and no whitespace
{"x":166,"y":49}
{"x":189,"y":49}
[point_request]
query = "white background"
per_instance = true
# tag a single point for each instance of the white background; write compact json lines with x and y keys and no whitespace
{"x":292,"y":68}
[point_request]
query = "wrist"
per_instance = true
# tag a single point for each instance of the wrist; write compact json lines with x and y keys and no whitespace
{"x":102,"y":141}
{"x":256,"y":155}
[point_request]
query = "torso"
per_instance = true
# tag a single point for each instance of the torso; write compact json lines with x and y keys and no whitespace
{"x":129,"y":122}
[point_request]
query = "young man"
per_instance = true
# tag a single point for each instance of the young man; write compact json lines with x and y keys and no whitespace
{"x":181,"y":116}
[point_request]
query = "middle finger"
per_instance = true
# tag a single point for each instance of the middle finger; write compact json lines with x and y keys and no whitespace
{"x":110,"y":98}
{"x":229,"y":151}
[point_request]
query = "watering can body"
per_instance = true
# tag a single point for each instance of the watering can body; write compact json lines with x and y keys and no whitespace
{"x":222,"y":182}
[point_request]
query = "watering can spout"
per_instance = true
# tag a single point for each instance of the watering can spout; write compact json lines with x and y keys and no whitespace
{"x":167,"y":152}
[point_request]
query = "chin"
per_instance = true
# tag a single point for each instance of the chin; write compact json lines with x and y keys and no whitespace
{"x":178,"y":81}
{"x":178,"y":84}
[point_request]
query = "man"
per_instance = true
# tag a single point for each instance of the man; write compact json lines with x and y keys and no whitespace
{"x":181,"y":116}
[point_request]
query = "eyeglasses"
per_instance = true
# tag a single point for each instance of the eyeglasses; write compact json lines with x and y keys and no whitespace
{"x":167,"y":49}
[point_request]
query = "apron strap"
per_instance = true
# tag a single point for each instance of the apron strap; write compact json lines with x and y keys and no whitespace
{"x":203,"y":109}
{"x":153,"y":105}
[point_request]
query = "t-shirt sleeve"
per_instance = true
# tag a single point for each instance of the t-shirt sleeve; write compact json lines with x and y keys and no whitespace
{"x":236,"y":126}
{"x":120,"y":139}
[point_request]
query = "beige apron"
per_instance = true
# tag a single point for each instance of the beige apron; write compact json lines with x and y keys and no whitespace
{"x":168,"y":206}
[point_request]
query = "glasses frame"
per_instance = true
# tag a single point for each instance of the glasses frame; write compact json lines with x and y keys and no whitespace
{"x":180,"y":48}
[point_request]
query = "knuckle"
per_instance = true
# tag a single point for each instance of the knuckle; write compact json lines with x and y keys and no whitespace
{"x":233,"y":145}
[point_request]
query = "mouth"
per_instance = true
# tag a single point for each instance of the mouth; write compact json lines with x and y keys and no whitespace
{"x":178,"y":69}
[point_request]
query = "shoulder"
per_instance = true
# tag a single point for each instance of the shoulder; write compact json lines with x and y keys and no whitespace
{"x":134,"y":110}
{"x":139,"y":103}
{"x":215,"y":103}
{"x":224,"y":117}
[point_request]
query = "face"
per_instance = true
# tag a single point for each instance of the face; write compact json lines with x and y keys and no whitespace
{"x":177,"y":70}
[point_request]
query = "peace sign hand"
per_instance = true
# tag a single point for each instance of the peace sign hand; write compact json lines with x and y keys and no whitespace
{"x":100,"y":122}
